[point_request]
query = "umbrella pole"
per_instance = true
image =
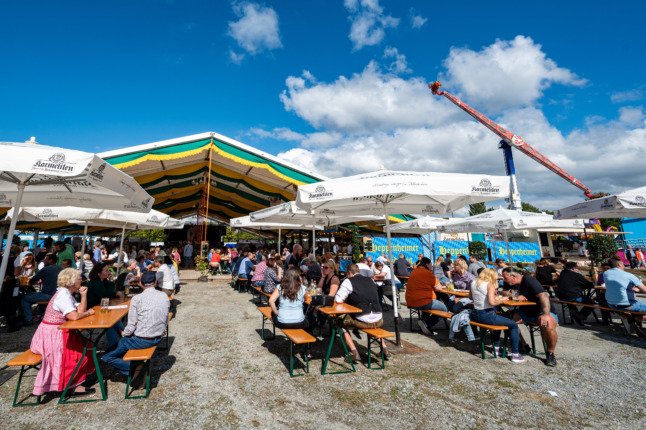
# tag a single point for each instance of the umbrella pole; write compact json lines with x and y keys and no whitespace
{"x":123,"y":233}
{"x":278,"y":246}
{"x":314,"y":233}
{"x":398,"y":340}
{"x":82,"y":263}
{"x":507,"y":246}
{"x":12,"y":229}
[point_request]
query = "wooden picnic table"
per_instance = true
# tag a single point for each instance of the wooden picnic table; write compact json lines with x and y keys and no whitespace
{"x":338,"y":313}
{"x":100,"y":322}
{"x":456,"y":293}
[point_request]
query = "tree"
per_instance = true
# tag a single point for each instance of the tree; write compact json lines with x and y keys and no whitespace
{"x":478,"y":250}
{"x":528,"y":207}
{"x":477,"y":208}
{"x":233,"y":236}
{"x":601,"y":247}
{"x":156,"y":235}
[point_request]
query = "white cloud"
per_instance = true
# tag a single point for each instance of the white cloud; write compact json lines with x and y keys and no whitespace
{"x":506,"y":74}
{"x":368,"y":22}
{"x":370,"y":100}
{"x":256,"y":30}
{"x":399,"y":64}
{"x":417,"y":21}
{"x":278,"y":133}
{"x":627,"y":96}
{"x":235,"y":57}
{"x":376,"y":118}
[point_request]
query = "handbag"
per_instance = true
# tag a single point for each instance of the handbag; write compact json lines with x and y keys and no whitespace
{"x":322,"y":300}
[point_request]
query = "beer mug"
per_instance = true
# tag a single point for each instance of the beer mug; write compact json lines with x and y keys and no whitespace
{"x":105,"y":302}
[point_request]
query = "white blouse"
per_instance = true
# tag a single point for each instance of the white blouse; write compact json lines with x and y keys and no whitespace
{"x":64,"y":301}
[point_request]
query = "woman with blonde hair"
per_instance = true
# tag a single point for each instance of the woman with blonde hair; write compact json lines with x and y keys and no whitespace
{"x":329,"y":282}
{"x":62,"y":349}
{"x":484,"y":293}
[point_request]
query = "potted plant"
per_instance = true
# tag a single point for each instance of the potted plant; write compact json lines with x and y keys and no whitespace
{"x":202,"y":266}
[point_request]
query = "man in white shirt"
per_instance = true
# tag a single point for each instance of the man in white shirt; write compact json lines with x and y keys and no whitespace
{"x":164,"y":276}
{"x":349,"y":249}
{"x":364,"y":268}
{"x":335,"y":248}
{"x":359,"y":291}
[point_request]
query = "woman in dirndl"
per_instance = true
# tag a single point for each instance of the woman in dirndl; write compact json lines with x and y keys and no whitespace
{"x":62,"y":349}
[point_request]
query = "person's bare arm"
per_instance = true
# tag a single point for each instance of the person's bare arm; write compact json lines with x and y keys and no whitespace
{"x":272,"y":301}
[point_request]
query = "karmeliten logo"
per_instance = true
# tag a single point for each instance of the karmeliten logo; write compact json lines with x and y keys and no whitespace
{"x":485,"y":187}
{"x":430,"y":210}
{"x":639,"y":201}
{"x":98,"y":172}
{"x":320,"y":192}
{"x":55,"y":163}
{"x":154,"y":220}
{"x":47,"y":213}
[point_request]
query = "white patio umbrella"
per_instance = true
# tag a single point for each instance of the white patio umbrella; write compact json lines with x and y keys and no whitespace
{"x":245,"y":222}
{"x":629,"y":204}
{"x":421,"y":226}
{"x":39,"y":175}
{"x":504,"y":220}
{"x":290,"y":213}
{"x":391,"y":192}
{"x":100,"y":218}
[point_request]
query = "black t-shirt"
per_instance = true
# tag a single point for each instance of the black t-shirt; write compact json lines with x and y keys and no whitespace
{"x":571,"y":285}
{"x":445,"y":266}
{"x":544,"y":274}
{"x":401,"y":267}
{"x":531,"y":288}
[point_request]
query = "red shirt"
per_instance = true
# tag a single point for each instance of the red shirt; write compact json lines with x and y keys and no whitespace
{"x":420,"y":287}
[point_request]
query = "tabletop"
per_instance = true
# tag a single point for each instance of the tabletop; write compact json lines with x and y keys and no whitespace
{"x":456,"y":293}
{"x":340,"y":309}
{"x":518,"y":303}
{"x":100,"y":320}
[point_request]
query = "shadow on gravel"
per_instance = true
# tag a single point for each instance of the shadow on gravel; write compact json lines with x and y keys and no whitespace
{"x":622,"y":338}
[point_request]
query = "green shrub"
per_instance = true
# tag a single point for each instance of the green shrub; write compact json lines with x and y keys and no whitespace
{"x":478,"y":249}
{"x":601,"y":248}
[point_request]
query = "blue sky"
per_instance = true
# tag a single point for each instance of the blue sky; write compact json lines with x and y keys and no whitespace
{"x":567,"y":76}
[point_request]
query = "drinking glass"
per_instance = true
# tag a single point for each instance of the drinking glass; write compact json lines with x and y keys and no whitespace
{"x":105,"y":302}
{"x":514,"y":294}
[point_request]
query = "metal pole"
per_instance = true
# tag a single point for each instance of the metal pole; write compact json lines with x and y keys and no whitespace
{"x":208,"y":197}
{"x":314,"y":233}
{"x":12,"y":229}
{"x":504,"y":234}
{"x":398,"y":340}
{"x":278,"y":246}
{"x":123,"y":233}
{"x":83,"y":248}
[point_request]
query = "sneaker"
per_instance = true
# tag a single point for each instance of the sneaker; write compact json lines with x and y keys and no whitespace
{"x":422,"y":325}
{"x":517,"y":358}
{"x":550,"y":360}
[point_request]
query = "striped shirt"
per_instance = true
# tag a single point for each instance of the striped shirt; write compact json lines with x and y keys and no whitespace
{"x":148,"y":314}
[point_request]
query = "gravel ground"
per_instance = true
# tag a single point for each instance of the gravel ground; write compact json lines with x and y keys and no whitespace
{"x":219,"y":373}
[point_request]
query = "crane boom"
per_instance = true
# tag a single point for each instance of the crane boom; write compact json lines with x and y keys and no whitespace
{"x":511,"y":139}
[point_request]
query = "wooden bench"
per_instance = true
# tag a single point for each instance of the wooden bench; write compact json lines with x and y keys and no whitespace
{"x":491,"y":328}
{"x":298,"y":336}
{"x":627,"y":317}
{"x":134,"y":355}
{"x":266,"y":316}
{"x":375,"y":335}
{"x":26,"y":360}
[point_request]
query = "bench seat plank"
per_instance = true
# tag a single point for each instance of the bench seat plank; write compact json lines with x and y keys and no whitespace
{"x":139,"y":354}
{"x":26,"y":358}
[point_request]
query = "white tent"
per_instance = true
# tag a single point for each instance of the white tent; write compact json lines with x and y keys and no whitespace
{"x":100,"y":218}
{"x":391,"y":192}
{"x":631,"y":203}
{"x":39,"y":175}
{"x":290,"y":213}
{"x":245,"y":222}
{"x":504,"y":220}
{"x":418,"y":226}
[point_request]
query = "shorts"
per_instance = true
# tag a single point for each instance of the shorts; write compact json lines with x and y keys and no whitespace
{"x":533,"y":320}
{"x":351,"y":323}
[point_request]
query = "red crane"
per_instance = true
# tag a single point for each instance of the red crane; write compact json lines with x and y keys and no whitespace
{"x":511,"y":140}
